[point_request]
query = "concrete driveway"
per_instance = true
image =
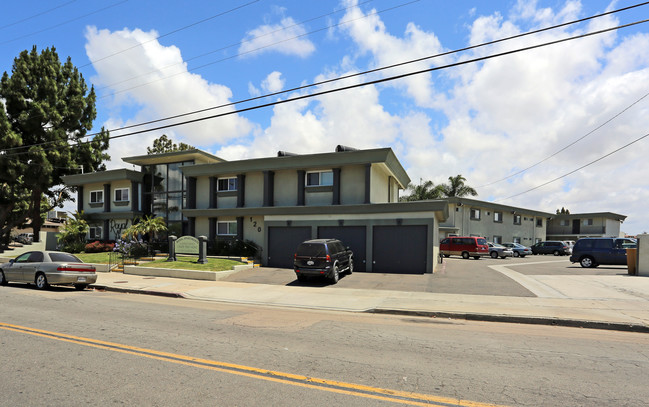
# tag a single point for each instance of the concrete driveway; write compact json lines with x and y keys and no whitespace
{"x":517,"y":277}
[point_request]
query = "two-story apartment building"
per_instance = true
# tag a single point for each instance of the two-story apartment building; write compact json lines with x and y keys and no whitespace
{"x":578,"y":225}
{"x":275,"y":202}
{"x":497,"y":223}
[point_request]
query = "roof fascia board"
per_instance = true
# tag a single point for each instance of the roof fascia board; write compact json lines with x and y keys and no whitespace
{"x":103,"y":176}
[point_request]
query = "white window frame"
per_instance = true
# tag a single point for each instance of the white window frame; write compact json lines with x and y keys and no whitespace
{"x":229,"y":227}
{"x":99,"y":193}
{"x":97,"y":232}
{"x":520,"y":219}
{"x":229,"y":187}
{"x":498,"y":218}
{"x":121,"y":198}
{"x":320,"y":181}
{"x":474,"y":213}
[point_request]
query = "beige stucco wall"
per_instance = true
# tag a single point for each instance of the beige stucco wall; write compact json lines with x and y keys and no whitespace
{"x":202,"y":193}
{"x":224,"y":202}
{"x":253,"y":229}
{"x":285,"y":192}
{"x":86,"y":198}
{"x":202,"y":226}
{"x":124,"y":206}
{"x":378,"y":184}
{"x":317,"y":198}
{"x":352,"y":185}
{"x":254,"y":189}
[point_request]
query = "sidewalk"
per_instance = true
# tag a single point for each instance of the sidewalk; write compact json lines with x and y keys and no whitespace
{"x":614,"y":306}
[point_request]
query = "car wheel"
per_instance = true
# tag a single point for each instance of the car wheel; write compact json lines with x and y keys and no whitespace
{"x":516,"y":254}
{"x":80,"y":287}
{"x":556,"y":252}
{"x":3,"y":280}
{"x":41,"y":281}
{"x":587,"y":262}
{"x":335,"y":275}
{"x":351,"y":266}
{"x":465,"y":255}
{"x":494,"y":255}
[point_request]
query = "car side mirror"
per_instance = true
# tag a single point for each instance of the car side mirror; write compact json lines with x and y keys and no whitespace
{"x":12,"y":261}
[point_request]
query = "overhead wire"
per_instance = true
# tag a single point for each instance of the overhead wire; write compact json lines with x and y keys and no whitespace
{"x":373,"y":82}
{"x":36,"y":15}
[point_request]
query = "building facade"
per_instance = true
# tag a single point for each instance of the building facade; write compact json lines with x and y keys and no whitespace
{"x":578,"y":225}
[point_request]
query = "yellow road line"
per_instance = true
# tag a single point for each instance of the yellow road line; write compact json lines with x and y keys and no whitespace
{"x":352,"y":389}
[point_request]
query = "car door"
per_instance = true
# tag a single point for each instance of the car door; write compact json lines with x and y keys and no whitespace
{"x":14,"y":271}
{"x":618,"y":253}
{"x":30,"y":267}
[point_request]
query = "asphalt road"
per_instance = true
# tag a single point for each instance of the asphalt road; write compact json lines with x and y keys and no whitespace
{"x":456,"y":276}
{"x":69,"y":348}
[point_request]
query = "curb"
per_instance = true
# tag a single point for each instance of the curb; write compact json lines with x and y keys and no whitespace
{"x":515,"y":319}
{"x":136,"y":291}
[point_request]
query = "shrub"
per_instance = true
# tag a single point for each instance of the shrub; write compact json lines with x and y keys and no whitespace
{"x":98,"y":247}
{"x":73,"y":247}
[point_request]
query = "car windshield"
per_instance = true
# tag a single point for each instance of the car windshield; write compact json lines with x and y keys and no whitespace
{"x":497,"y":245}
{"x":311,"y":250}
{"x":64,"y":258}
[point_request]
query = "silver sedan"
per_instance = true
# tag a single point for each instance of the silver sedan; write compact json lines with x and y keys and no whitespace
{"x":43,"y":268}
{"x":497,"y":250}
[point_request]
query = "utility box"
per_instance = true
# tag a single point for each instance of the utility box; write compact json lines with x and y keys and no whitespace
{"x":643,"y":255}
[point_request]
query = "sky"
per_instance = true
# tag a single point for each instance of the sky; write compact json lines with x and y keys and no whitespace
{"x":552,"y":127}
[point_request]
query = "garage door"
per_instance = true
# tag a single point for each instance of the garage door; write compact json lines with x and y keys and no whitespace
{"x":282,"y":242}
{"x":400,"y":249}
{"x":351,"y":236}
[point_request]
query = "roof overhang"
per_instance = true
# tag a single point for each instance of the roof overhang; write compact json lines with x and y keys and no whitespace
{"x":103,"y":176}
{"x":195,"y":155}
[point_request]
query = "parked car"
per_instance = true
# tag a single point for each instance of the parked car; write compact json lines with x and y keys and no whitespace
{"x":591,"y":252}
{"x":322,"y":257}
{"x":518,"y":249}
{"x":25,"y":238}
{"x":464,"y":246}
{"x":497,"y":250}
{"x":43,"y":268}
{"x":556,"y":247}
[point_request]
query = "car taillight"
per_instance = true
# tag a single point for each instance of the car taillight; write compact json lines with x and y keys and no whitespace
{"x":74,"y":267}
{"x":328,"y":258}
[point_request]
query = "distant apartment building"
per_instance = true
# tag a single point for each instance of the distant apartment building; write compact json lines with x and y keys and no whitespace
{"x":578,"y":225}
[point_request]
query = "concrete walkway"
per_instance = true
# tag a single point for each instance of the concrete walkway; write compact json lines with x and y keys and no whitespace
{"x":616,"y":302}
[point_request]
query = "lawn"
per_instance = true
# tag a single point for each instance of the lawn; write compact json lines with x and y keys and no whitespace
{"x":96,"y":258}
{"x":189,"y":263}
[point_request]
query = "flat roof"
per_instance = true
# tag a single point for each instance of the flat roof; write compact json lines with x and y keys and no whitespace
{"x":608,"y":215}
{"x":103,"y":176}
{"x":175,"y":156}
{"x":475,"y":202}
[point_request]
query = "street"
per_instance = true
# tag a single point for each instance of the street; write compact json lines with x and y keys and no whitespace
{"x":63,"y":347}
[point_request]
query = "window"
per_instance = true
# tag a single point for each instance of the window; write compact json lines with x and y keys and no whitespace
{"x":475,"y":214}
{"x":95,"y":232}
{"x":517,"y":239}
{"x":498,"y":239}
{"x":121,"y":195}
{"x":226,"y":228}
{"x":96,"y":196}
{"x":588,"y":222}
{"x":498,"y":217}
{"x":517,"y":219}
{"x":539,"y":222}
{"x":565,"y":222}
{"x":320,"y":178}
{"x":226,"y":184}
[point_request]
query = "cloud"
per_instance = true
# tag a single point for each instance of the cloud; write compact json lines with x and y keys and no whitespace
{"x":273,"y":82}
{"x":146,"y":62}
{"x":287,"y":37}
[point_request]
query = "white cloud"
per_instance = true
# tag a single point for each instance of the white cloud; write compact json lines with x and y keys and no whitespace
{"x":287,"y":37}
{"x":148,"y":62}
{"x":273,"y":82}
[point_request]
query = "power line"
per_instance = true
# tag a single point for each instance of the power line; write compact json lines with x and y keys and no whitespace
{"x":63,"y":23}
{"x":577,"y":169}
{"x":173,"y":32}
{"x":36,"y":15}
{"x":571,"y":144}
{"x":374,"y":82}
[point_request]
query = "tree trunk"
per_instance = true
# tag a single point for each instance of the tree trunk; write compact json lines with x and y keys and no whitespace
{"x":37,"y":221}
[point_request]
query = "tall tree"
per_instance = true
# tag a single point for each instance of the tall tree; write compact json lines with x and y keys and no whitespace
{"x":163,"y":144}
{"x":44,"y":120}
{"x":457,"y":188}
{"x":423,"y":191}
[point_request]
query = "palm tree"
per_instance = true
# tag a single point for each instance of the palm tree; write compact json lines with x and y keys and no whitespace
{"x":421,"y":192}
{"x":457,"y":188}
{"x":148,"y":224}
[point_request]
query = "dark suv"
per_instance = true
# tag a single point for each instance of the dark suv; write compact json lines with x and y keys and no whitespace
{"x":323,"y":257}
{"x":591,"y":252}
{"x":556,"y":247}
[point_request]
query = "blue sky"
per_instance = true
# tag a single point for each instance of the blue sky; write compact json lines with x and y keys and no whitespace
{"x":486,"y":120}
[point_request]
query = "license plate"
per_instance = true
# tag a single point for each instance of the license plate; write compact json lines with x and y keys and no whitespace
{"x":81,"y":279}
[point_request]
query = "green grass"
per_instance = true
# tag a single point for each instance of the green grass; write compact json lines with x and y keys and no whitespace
{"x":96,"y":258}
{"x":189,"y":263}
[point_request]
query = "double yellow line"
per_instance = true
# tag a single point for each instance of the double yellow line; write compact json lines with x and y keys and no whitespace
{"x":351,"y":389}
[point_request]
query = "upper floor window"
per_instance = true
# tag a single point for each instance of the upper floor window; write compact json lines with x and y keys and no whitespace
{"x":498,"y":217}
{"x":539,"y":222}
{"x":517,"y":219}
{"x":226,"y":228}
{"x":96,"y":196}
{"x":475,"y":214}
{"x":517,"y":239}
{"x":588,"y":222}
{"x":121,"y":194}
{"x":565,"y":222}
{"x":498,"y":239}
{"x":319,"y":178}
{"x":226,"y":184}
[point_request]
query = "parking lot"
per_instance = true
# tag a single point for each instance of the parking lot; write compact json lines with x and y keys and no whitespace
{"x":455,"y":276}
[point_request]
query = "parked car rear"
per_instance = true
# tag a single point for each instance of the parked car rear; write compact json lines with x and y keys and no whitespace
{"x":322,"y":257}
{"x":591,"y":252}
{"x":465,"y":246}
{"x":556,"y":247}
{"x":518,"y":249}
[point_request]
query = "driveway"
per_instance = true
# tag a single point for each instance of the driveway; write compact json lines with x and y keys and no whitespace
{"x":455,"y":276}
